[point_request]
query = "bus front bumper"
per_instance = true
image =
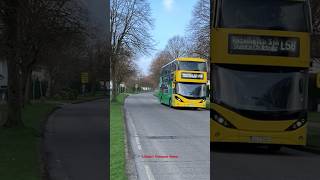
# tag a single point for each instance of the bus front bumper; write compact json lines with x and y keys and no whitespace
{"x":219,"y":133}
{"x":196,"y":103}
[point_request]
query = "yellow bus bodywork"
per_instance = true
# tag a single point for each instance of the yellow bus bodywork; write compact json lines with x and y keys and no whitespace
{"x":179,"y":78}
{"x":195,"y":103}
{"x":250,"y":130}
{"x":220,"y":49}
{"x":270,"y":132}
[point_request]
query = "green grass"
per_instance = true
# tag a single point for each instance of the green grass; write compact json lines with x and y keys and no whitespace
{"x":79,"y":99}
{"x":19,"y":147}
{"x":208,"y":104}
{"x":314,"y":137}
{"x":117,"y":150}
{"x":314,"y":117}
{"x":314,"y":132}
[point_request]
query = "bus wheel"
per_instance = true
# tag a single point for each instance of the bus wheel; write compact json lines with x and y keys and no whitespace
{"x":274,"y":148}
{"x":170,"y":103}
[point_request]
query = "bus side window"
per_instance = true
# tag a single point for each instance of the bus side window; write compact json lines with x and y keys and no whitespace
{"x":174,"y":66}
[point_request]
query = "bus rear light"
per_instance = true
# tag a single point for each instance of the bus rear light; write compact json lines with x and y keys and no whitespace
{"x":177,"y":98}
{"x":296,"y":125}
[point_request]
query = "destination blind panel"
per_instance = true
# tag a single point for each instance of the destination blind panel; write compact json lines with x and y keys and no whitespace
{"x":264,"y":45}
{"x":192,"y":76}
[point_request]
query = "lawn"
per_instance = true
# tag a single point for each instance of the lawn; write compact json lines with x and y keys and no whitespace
{"x":19,"y":147}
{"x":314,"y":131}
{"x":314,"y":117}
{"x":117,"y":150}
{"x":80,"y":98}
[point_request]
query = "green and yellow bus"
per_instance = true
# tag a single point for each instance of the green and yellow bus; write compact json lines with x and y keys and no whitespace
{"x":260,"y":56}
{"x":183,"y":83}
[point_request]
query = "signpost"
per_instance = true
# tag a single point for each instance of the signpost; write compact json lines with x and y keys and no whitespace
{"x":84,"y":80}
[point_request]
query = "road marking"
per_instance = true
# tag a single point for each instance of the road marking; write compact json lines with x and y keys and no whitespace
{"x":149,"y":172}
{"x":138,"y":143}
{"x":134,"y":131}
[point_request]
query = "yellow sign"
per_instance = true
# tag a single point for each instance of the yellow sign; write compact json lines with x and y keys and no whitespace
{"x":318,"y":80}
{"x":84,"y":78}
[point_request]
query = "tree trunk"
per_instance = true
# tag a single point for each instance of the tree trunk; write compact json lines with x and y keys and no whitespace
{"x":14,"y":90}
{"x":49,"y":88}
{"x":93,"y":86}
{"x":114,"y":91}
{"x":26,"y":85}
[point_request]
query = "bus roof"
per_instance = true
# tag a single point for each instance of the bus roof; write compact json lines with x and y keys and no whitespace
{"x":186,"y":59}
{"x":191,"y":59}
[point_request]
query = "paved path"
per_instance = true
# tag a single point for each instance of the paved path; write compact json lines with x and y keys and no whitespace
{"x":76,"y":141}
{"x":242,"y":162}
{"x":157,"y":130}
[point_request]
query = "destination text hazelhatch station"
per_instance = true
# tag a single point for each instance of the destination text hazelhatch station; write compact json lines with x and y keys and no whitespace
{"x":263,"y":45}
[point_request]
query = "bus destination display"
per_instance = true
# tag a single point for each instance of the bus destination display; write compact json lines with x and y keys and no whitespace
{"x":264,"y":45}
{"x":192,"y":75}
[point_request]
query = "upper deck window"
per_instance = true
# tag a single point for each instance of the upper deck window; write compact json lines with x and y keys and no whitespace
{"x":286,"y":15}
{"x":192,"y":66}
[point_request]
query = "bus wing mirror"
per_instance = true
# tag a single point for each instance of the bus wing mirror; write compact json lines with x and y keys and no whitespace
{"x":315,"y":46}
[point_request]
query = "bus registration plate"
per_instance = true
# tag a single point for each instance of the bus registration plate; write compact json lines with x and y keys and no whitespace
{"x":260,"y":139}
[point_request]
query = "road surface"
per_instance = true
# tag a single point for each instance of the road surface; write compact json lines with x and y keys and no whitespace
{"x":242,"y":162}
{"x":76,"y":141}
{"x":168,"y":144}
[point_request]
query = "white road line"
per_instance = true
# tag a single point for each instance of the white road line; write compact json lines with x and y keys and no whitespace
{"x":138,"y":143}
{"x":149,"y":172}
{"x":146,"y":167}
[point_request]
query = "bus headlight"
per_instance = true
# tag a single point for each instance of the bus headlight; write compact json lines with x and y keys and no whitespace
{"x":299,"y":123}
{"x":177,"y":98}
{"x":202,"y":101}
{"x":222,"y":121}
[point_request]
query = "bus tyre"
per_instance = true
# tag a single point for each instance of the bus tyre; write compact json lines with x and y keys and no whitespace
{"x":274,"y":148}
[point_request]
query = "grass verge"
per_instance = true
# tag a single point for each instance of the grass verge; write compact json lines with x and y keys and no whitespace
{"x":314,"y":130}
{"x":80,"y":99}
{"x":117,"y":149}
{"x":19,"y":147}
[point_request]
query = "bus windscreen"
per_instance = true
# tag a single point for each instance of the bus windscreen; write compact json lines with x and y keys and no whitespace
{"x":261,"y":91}
{"x":283,"y":15}
{"x":191,"y":90}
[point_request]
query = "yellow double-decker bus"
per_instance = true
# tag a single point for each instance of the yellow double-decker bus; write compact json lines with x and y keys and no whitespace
{"x":183,"y":83}
{"x":260,"y":56}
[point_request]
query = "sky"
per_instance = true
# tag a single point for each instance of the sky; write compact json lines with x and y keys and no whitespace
{"x":171,"y":18}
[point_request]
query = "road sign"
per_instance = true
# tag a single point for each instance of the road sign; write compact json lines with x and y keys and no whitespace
{"x":84,"y":77}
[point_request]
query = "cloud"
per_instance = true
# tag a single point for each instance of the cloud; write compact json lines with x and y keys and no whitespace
{"x":168,"y":4}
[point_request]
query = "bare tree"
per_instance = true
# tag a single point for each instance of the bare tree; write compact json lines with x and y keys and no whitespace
{"x":160,"y":60}
{"x":199,"y":29}
{"x":9,"y":15}
{"x":315,"y":7}
{"x":177,"y":46}
{"x":130,"y":33}
{"x":30,"y":26}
